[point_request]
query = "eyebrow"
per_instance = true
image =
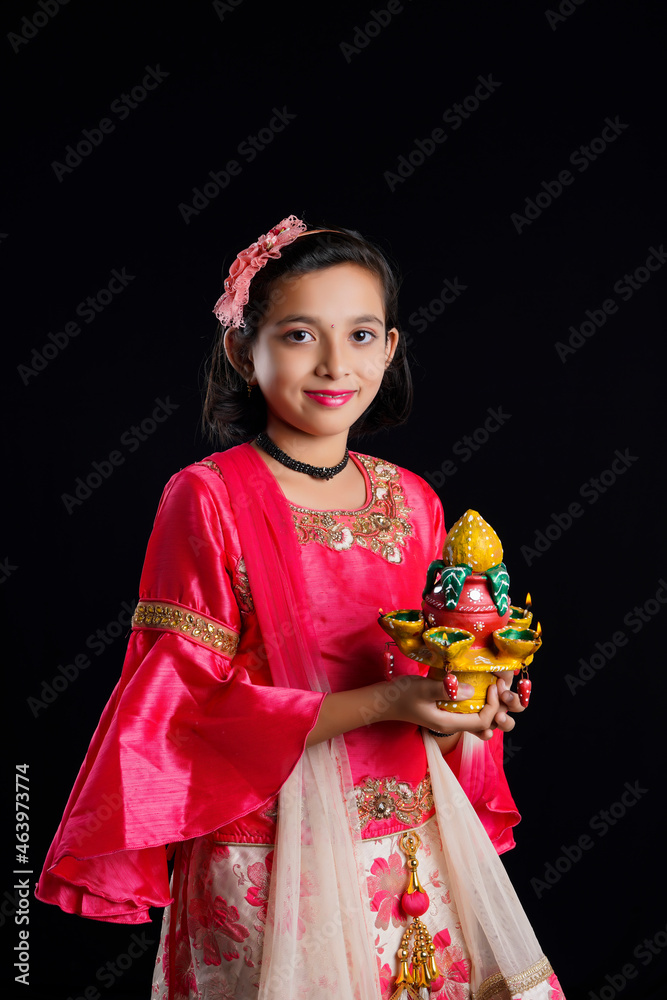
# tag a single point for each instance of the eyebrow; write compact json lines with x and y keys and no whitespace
{"x":313,"y":321}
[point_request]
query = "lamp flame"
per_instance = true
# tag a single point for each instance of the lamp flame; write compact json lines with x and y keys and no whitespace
{"x":538,"y":630}
{"x":529,"y":602}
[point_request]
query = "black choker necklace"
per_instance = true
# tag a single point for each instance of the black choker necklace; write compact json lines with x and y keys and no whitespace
{"x":318,"y":472}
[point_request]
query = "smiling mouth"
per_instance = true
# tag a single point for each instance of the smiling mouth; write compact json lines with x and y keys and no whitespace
{"x":328,"y":398}
{"x":323,"y":392}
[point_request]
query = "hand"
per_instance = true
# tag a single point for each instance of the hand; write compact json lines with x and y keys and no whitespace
{"x":414,"y":700}
{"x":503,"y":700}
{"x":414,"y":705}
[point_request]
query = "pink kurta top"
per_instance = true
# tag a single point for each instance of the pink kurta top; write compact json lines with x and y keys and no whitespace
{"x":195,"y":737}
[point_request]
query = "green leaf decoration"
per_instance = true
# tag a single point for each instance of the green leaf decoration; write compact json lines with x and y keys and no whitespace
{"x":499,"y":581}
{"x":436,"y":567}
{"x":452,"y":580}
{"x":450,"y":585}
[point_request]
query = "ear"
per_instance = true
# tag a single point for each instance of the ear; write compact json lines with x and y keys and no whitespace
{"x":238,"y":358}
{"x":390,"y":345}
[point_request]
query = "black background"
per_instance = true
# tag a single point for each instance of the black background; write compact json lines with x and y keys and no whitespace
{"x":66,"y":573}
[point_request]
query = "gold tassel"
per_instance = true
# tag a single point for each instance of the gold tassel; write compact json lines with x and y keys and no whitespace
{"x":416,"y":939}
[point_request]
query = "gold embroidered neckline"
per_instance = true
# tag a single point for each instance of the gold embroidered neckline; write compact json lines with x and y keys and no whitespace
{"x":381,"y":525}
{"x":361,"y":465}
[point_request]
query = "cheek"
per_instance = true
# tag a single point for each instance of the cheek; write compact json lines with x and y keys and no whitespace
{"x":373,"y":366}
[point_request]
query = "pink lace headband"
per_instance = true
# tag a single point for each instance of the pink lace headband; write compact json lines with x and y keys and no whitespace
{"x":229,"y":307}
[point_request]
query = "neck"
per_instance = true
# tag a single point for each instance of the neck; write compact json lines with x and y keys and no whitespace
{"x":325,"y":450}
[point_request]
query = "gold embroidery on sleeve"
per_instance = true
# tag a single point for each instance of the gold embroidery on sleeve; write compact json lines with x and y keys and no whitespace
{"x":211,"y":464}
{"x":174,"y":619}
{"x":242,"y":587}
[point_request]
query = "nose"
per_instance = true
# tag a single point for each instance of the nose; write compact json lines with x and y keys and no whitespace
{"x":332,"y":363}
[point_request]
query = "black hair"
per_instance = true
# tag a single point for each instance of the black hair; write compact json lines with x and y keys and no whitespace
{"x":230,"y":415}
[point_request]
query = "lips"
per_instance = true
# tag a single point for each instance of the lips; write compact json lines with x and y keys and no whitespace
{"x":328,"y":398}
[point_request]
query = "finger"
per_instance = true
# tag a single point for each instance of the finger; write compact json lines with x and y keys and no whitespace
{"x":485,"y":734}
{"x":511,"y":702}
{"x":505,"y":722}
{"x":503,"y":685}
{"x":488,"y":713}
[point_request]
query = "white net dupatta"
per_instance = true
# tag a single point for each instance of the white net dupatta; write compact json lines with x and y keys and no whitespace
{"x":319,"y":939}
{"x":502,"y":944}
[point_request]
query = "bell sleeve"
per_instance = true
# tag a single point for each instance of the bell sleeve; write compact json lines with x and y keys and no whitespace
{"x":187,"y":742}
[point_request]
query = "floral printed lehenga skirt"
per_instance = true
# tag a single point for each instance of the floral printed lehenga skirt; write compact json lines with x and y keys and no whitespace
{"x":213,"y":951}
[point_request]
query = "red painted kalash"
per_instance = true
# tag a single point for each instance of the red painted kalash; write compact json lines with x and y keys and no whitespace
{"x":467,"y":629}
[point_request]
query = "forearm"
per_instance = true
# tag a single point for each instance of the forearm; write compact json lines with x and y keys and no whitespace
{"x":414,"y":700}
{"x":347,"y":710}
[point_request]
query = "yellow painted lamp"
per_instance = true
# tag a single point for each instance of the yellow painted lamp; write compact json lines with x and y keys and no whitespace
{"x":467,"y":628}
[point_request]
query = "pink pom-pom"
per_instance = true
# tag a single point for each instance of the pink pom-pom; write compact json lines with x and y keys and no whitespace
{"x":414,"y":904}
{"x":436,"y":984}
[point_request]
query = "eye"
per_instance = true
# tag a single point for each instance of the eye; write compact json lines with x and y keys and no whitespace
{"x":299,"y":336}
{"x":363,"y":336}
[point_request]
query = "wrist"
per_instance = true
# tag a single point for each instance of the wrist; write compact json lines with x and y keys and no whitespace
{"x":381,"y":701}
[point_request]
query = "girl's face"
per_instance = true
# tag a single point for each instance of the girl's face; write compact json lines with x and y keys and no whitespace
{"x":321,"y":352}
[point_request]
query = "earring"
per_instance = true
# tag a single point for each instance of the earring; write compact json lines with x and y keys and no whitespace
{"x":249,"y":384}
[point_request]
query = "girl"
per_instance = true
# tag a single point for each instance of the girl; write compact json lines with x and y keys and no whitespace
{"x":255,"y":734}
